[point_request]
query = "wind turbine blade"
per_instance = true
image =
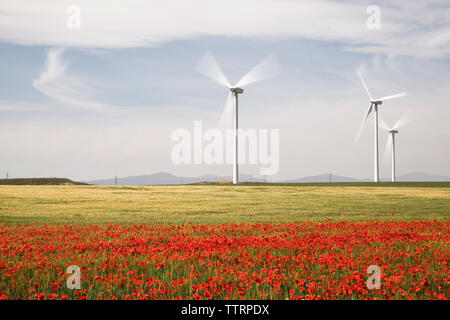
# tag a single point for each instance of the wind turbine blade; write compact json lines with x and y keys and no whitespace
{"x":226,"y":118}
{"x":358,"y":72}
{"x":266,"y":69}
{"x":398,"y":95}
{"x":388,"y":151}
{"x":383,"y":124}
{"x":209,"y":67}
{"x":404,"y":119}
{"x":364,"y":121}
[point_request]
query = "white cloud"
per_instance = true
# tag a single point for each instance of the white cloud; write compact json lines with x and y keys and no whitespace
{"x":65,"y":90}
{"x":407,"y":28}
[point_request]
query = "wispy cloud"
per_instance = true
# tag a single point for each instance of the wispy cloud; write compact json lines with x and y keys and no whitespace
{"x":407,"y":28}
{"x":63,"y":89}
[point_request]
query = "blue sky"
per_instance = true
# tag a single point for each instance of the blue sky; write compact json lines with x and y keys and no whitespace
{"x":128,"y":79}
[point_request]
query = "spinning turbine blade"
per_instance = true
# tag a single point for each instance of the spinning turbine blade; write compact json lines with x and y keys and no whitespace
{"x":368,"y":112}
{"x":383,"y":124}
{"x":404,"y":119}
{"x":358,"y":72}
{"x":266,"y":69}
{"x":398,"y":95}
{"x":226,"y":118}
{"x":362,"y":123}
{"x":208,"y":66}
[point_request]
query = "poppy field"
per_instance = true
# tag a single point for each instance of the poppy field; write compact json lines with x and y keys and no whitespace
{"x":299,"y":260}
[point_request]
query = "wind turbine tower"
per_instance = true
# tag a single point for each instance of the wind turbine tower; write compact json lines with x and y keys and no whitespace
{"x":393,"y":133}
{"x":391,"y":139}
{"x":236,"y":92}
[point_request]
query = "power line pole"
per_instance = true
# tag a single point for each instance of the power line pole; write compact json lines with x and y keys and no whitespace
{"x":115,"y":180}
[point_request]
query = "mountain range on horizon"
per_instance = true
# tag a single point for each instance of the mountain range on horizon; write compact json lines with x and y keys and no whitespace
{"x":165,"y":178}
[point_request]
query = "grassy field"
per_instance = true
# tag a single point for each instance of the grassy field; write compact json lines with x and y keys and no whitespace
{"x":221,"y":204}
{"x":145,"y":253}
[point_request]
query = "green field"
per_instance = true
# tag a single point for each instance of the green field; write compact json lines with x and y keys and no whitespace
{"x":225,"y":203}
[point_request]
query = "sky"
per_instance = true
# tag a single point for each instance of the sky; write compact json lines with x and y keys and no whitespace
{"x":103,"y":99}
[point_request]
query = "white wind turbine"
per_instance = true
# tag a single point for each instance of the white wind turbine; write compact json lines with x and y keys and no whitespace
{"x":374,"y":103}
{"x":391,"y":140}
{"x":209,"y":67}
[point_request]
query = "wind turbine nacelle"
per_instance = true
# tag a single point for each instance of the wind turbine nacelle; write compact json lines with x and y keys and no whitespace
{"x":378,"y":102}
{"x":237,"y":90}
{"x":393,"y":131}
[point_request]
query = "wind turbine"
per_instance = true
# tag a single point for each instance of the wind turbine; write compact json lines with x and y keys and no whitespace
{"x":374,"y":104}
{"x":209,"y":67}
{"x":391,"y":140}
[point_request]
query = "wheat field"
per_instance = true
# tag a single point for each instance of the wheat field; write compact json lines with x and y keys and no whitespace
{"x":222,"y":204}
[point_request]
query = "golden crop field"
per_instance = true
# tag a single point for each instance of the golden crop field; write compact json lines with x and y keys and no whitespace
{"x":221,"y":204}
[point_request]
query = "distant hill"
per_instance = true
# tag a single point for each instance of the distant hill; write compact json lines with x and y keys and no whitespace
{"x":165,"y":178}
{"x":410,"y":177}
{"x":323,"y":178}
{"x":150,"y":179}
{"x":422,"y":176}
{"x":40,"y":181}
